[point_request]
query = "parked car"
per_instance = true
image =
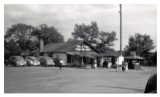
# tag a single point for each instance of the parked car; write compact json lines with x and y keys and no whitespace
{"x":151,"y":86}
{"x":46,"y":61}
{"x":59,"y":62}
{"x":32,"y":61}
{"x":16,"y":61}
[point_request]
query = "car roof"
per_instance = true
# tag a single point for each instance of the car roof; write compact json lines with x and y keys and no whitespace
{"x":30,"y":57}
{"x":17,"y":56}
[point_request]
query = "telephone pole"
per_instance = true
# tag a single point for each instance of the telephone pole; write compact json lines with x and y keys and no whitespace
{"x":120,"y":28}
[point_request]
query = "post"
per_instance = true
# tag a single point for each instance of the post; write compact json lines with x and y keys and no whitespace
{"x":120,"y":58}
{"x":120,"y":29}
{"x":81,"y":56}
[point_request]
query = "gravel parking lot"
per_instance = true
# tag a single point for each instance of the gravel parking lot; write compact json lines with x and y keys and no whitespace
{"x":74,"y":80}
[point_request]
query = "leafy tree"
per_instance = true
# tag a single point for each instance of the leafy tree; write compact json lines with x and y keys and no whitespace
{"x":70,"y":39}
{"x":141,"y":44}
{"x":91,"y":34}
{"x":106,"y":40}
{"x":11,"y":48}
{"x":86,"y":32}
{"x":48,"y":34}
{"x":18,"y":37}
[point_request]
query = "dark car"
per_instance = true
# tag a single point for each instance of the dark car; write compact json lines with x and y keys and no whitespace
{"x":32,"y":61}
{"x":151,"y":86}
{"x":46,"y":61}
{"x":16,"y":61}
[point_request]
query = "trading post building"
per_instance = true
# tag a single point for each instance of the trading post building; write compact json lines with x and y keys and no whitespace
{"x":71,"y":52}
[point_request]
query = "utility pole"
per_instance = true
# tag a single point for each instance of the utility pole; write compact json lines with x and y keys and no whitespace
{"x":120,"y":59}
{"x":120,"y":28}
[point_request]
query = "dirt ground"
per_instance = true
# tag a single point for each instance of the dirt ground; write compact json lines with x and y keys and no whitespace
{"x":74,"y":80}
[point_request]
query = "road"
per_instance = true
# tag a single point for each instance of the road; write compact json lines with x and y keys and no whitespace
{"x":74,"y":80}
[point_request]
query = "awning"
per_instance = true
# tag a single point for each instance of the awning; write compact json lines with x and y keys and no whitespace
{"x":90,"y":54}
{"x":134,"y":57}
{"x":83,"y":54}
{"x":105,"y":55}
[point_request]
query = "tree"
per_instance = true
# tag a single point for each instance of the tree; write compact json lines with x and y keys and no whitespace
{"x":18,"y":37}
{"x":11,"y":48}
{"x":141,"y":44}
{"x":48,"y":34}
{"x":86,"y":32}
{"x":92,"y":35}
{"x":106,"y":40}
{"x":154,"y":58}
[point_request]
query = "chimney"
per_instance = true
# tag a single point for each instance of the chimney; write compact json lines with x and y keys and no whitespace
{"x":41,"y":45}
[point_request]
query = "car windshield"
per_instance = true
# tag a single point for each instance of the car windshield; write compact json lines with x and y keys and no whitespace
{"x":48,"y":58}
{"x":18,"y":58}
{"x":32,"y":58}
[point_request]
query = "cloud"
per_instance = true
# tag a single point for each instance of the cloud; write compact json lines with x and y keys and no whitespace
{"x":137,"y":18}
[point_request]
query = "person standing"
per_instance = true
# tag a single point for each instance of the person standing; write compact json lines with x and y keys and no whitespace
{"x":123,"y":66}
{"x":105,"y":64}
{"x":95,"y":64}
{"x":60,"y":65}
{"x":126,"y":65}
{"x":117,"y":66}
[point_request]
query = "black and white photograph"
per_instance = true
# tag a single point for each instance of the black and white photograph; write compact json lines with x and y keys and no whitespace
{"x":80,"y":48}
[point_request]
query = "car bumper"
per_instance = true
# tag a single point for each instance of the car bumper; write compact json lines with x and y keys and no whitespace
{"x":20,"y":64}
{"x":35,"y":64}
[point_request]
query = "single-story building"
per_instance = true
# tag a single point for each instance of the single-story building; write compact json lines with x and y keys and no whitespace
{"x":71,"y":52}
{"x":110,"y":57}
{"x":134,"y":61}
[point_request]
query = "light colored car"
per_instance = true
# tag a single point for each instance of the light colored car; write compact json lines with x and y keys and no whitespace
{"x":16,"y":61}
{"x":46,"y":61}
{"x":32,"y":61}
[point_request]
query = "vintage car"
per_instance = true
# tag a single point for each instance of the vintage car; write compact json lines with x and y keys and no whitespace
{"x":46,"y":61}
{"x":32,"y":61}
{"x":16,"y":61}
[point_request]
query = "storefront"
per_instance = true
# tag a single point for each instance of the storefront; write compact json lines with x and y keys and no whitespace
{"x":134,"y":61}
{"x":73,"y":52}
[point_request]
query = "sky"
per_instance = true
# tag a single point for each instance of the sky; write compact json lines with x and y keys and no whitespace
{"x":136,"y":18}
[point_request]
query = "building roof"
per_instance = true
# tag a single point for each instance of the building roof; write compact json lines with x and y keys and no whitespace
{"x":64,"y":46}
{"x":84,"y":54}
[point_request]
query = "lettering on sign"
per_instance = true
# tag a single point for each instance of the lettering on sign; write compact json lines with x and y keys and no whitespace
{"x":82,"y":48}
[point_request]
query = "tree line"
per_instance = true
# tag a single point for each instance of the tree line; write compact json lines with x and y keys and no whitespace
{"x":22,"y":38}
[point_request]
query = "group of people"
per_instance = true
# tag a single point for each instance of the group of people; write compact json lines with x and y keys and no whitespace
{"x":93,"y":65}
{"x":122,"y":67}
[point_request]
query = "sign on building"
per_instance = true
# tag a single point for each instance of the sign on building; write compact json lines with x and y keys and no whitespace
{"x":82,"y":48}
